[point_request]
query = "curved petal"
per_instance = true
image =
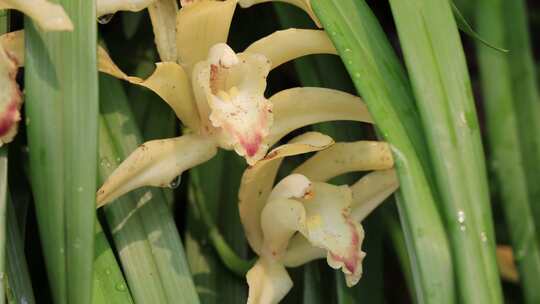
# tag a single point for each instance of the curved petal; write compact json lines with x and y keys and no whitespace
{"x":13,"y":45}
{"x":257,"y":182}
{"x":280,"y":220}
{"x":48,"y":16}
{"x":342,"y":158}
{"x":371,"y":190}
{"x":168,"y":80}
{"x":299,"y":107}
{"x":10,"y":98}
{"x":301,"y":251}
{"x":303,"y":4}
{"x":107,"y":7}
{"x":268,"y":282}
{"x":329,"y":225}
{"x":156,"y":163}
{"x":163,"y":17}
{"x":229,"y":90}
{"x":201,"y":25}
{"x":286,"y":45}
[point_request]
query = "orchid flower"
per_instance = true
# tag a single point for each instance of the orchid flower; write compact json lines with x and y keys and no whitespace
{"x":218,"y":94}
{"x":48,"y":16}
{"x":302,"y":218}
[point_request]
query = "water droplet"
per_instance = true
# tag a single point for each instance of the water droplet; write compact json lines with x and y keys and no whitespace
{"x":349,"y":61}
{"x":80,"y":189}
{"x":347,"y":50}
{"x":461,"y":217}
{"x":462,"y":228}
{"x":483,"y":236}
{"x":357,"y":75}
{"x":24,"y":300}
{"x":105,"y":19}
{"x":107,"y":271}
{"x":333,"y":33}
{"x":120,"y":287}
{"x":175,"y":183}
{"x":118,"y":159}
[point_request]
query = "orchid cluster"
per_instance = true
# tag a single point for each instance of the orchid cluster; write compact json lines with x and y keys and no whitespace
{"x":218,"y":95}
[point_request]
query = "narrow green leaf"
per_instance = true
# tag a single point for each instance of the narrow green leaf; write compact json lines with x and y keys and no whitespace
{"x":502,"y":93}
{"x":62,"y":109}
{"x":526,"y":99}
{"x":380,"y":80}
{"x":109,"y":284}
{"x":149,"y":206}
{"x":467,"y":29}
{"x":436,"y":63}
{"x":18,"y":277}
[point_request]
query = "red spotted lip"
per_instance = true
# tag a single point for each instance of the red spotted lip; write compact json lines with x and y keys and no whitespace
{"x":251,"y":146}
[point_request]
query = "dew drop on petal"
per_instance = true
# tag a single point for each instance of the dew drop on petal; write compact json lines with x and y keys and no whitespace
{"x":175,"y":183}
{"x":105,"y":19}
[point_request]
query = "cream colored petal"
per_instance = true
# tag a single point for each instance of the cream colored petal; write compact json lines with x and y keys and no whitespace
{"x":342,"y":158}
{"x":168,"y":80}
{"x":163,"y":17}
{"x":507,"y":266}
{"x":303,"y":4}
{"x":301,"y":251}
{"x":107,"y":7}
{"x":268,"y":282}
{"x":371,"y":190}
{"x":280,"y":220}
{"x":156,"y":163}
{"x":200,"y":26}
{"x":229,"y":90}
{"x":48,"y":16}
{"x":258,"y":180}
{"x":286,"y":45}
{"x":13,"y":45}
{"x":329,"y":225}
{"x":10,"y":98}
{"x":299,"y":107}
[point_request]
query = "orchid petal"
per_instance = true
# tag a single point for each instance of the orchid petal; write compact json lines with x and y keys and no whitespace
{"x":107,"y":7}
{"x":156,"y":163}
{"x":301,"y":251}
{"x":268,"y":282}
{"x":371,"y":190}
{"x":507,"y":266}
{"x":48,"y":16}
{"x":329,"y":225}
{"x":286,"y":45}
{"x":258,"y":180}
{"x":163,"y":17}
{"x":303,"y":4}
{"x":168,"y":80}
{"x":229,"y":90}
{"x":201,"y":25}
{"x":13,"y":45}
{"x":280,"y":220}
{"x":298,"y":107}
{"x":10,"y":97}
{"x":343,"y":158}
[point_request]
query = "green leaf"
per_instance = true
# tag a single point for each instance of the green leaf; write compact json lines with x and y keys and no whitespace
{"x":467,"y":29}
{"x":62,"y":109}
{"x":146,"y":220}
{"x":380,"y":80}
{"x":109,"y":284}
{"x":436,"y":64}
{"x":504,"y":98}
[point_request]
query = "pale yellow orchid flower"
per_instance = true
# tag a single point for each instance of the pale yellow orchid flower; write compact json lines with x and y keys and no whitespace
{"x":49,"y":17}
{"x":219,"y":96}
{"x":302,"y":218}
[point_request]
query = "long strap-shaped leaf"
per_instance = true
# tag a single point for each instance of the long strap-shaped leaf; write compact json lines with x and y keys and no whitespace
{"x":379,"y":77}
{"x":148,"y":218}
{"x":436,"y":63}
{"x":62,"y":110}
{"x":501,"y":96}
